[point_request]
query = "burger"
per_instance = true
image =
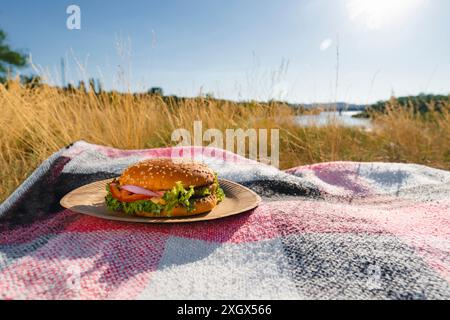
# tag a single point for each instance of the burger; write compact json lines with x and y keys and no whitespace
{"x":165,"y":187}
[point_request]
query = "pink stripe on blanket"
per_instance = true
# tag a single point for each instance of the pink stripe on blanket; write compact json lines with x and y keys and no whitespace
{"x":268,"y":221}
{"x":187,"y":151}
{"x":99,"y":265}
{"x":411,"y":218}
{"x":180,"y":152}
{"x":244,"y":227}
{"x":55,"y":224}
{"x":337,"y":178}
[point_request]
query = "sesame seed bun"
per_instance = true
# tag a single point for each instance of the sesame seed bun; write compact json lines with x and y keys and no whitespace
{"x":161,"y":174}
{"x":202,"y":205}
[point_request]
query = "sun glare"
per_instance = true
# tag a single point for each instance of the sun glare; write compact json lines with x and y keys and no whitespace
{"x":377,"y":13}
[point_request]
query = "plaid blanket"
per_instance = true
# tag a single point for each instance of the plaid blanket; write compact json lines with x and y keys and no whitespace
{"x":340,"y":230}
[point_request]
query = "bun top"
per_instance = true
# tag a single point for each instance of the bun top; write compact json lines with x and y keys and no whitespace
{"x":162,"y":173}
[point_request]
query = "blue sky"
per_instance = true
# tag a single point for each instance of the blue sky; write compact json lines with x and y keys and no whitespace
{"x":242,"y":49}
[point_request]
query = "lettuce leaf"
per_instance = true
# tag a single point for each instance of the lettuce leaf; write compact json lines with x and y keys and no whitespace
{"x":202,"y":192}
{"x":178,"y":196}
{"x":219,"y":192}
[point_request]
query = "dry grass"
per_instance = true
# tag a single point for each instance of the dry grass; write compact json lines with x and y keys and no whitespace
{"x":34,"y":123}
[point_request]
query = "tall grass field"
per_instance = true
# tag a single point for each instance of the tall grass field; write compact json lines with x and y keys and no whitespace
{"x":36,"y":122}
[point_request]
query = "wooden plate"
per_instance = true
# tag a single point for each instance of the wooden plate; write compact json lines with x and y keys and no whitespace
{"x":90,"y":200}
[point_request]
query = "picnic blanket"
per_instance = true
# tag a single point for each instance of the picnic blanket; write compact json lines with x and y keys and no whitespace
{"x":340,"y":230}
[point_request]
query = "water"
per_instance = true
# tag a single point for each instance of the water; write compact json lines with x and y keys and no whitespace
{"x":327,"y":117}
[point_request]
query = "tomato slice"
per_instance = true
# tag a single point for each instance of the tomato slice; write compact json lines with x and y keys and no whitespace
{"x":124,"y":195}
{"x":115,"y":192}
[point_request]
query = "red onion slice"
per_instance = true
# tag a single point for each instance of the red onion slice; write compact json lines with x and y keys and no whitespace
{"x":139,"y":190}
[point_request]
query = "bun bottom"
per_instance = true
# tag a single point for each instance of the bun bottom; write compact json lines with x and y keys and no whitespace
{"x":202,"y":205}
